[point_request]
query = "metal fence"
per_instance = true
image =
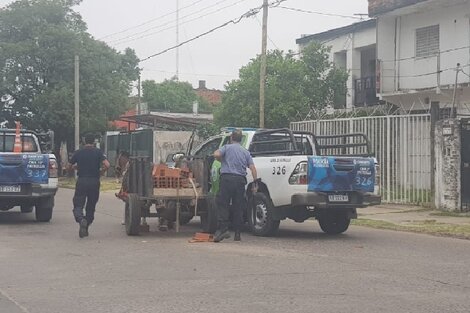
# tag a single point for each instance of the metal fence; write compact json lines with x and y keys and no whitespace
{"x":402,"y":146}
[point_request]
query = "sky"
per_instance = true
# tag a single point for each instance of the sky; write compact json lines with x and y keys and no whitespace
{"x":149,"y":27}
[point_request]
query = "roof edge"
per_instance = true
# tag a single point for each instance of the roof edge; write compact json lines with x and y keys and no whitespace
{"x":337,"y":31}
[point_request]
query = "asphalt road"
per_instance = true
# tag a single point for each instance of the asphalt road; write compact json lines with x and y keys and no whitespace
{"x":46,"y":268}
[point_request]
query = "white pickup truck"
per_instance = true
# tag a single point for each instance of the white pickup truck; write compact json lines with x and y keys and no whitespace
{"x":28,"y":178}
{"x":302,"y":176}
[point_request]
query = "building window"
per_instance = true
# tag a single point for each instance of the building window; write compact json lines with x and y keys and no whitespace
{"x":427,"y":41}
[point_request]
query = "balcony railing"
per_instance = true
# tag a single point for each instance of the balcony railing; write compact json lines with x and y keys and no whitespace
{"x":365,"y":92}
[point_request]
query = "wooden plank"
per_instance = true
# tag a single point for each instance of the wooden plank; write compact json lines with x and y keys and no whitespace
{"x":172,"y":192}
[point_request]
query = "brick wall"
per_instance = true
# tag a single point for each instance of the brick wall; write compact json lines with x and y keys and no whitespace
{"x":377,"y":7}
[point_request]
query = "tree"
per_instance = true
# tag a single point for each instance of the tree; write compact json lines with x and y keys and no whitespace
{"x":172,"y":96}
{"x":38,"y":41}
{"x":293,"y":88}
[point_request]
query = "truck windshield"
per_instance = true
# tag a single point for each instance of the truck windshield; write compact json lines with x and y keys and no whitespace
{"x":7,"y":141}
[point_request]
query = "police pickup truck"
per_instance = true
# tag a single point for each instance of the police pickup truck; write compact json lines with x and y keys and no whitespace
{"x":302,"y":176}
{"x":28,"y":178}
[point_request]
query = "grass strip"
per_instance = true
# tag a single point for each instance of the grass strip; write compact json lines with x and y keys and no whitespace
{"x":430,"y":227}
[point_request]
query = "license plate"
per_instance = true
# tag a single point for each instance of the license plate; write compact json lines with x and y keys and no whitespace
{"x":338,"y":198}
{"x":14,"y":188}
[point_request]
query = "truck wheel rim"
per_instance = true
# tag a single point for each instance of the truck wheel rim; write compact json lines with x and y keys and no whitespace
{"x":261,"y":215}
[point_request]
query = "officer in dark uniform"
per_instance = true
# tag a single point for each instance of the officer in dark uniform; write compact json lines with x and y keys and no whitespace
{"x":235,"y":160}
{"x":90,"y":163}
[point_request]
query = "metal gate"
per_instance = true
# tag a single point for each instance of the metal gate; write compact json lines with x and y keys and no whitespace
{"x":465,"y":152}
{"x":402,"y":146}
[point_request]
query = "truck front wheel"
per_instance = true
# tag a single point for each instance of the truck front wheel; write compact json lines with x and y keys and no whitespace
{"x":260,"y":216}
{"x":334,"y":223}
{"x":44,"y":209}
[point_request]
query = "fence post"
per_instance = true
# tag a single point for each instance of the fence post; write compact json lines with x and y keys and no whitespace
{"x":434,"y":118}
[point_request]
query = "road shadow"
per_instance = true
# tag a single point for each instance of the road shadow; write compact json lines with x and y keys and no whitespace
{"x":16,"y":217}
{"x":290,"y":232}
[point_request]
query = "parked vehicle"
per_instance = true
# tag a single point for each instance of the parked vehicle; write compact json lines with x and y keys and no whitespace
{"x":28,"y":177}
{"x":302,"y":176}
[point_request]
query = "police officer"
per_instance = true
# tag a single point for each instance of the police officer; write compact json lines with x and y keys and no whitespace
{"x":235,"y":160}
{"x":90,"y":163}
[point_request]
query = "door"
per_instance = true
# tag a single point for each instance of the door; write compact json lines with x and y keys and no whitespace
{"x":465,"y":171}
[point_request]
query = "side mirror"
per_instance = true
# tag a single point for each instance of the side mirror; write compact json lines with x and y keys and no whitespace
{"x":177,"y":156}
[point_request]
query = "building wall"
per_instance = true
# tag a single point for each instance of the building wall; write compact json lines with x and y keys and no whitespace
{"x":401,"y":70}
{"x":351,"y":46}
{"x":167,"y":142}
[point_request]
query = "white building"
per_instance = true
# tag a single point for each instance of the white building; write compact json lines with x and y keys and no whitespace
{"x":353,"y":48}
{"x":419,"y":46}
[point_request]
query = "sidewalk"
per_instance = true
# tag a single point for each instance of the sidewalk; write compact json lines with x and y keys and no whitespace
{"x":415,"y":219}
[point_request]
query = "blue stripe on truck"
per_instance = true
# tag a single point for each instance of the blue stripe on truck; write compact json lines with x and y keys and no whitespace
{"x":24,"y":168}
{"x":333,"y":174}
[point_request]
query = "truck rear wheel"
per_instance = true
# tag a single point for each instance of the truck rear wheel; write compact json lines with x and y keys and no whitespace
{"x":133,"y":213}
{"x":260,"y":216}
{"x":334,"y":223}
{"x":44,"y":209}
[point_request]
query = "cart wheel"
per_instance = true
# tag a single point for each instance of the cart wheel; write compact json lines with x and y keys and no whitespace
{"x":133,"y":215}
{"x":209,"y":219}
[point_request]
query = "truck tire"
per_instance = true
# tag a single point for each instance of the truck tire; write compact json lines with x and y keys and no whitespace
{"x":44,"y":209}
{"x":260,"y":216}
{"x":209,"y":219}
{"x":133,"y":214}
{"x":334,"y":223}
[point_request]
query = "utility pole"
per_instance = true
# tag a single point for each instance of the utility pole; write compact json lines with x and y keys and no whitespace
{"x":264,"y":43}
{"x":139,"y":104}
{"x":454,"y":113}
{"x":177,"y":40}
{"x":77,"y":102}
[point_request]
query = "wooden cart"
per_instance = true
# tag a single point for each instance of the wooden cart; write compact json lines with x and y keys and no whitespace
{"x":143,"y":201}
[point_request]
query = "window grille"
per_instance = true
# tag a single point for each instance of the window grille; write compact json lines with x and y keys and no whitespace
{"x":427,"y":41}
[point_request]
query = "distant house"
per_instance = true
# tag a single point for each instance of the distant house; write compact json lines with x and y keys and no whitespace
{"x":419,"y":44}
{"x":212,"y":96}
{"x":353,"y":48}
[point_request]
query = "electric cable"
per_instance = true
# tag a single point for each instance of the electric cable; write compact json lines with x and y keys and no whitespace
{"x":250,"y":13}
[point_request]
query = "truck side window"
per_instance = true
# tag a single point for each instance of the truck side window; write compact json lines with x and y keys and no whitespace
{"x":209,"y":147}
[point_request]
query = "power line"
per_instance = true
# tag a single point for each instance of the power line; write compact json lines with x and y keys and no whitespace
{"x":319,"y":13}
{"x":464,"y":72}
{"x":250,"y":13}
{"x":415,"y":57}
{"x":426,"y":74}
{"x":188,"y":74}
{"x":272,"y":42}
{"x":123,"y":39}
{"x":150,"y":21}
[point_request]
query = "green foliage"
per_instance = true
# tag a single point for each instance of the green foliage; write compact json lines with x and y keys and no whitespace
{"x":38,"y":41}
{"x":169,"y":95}
{"x":205,"y":131}
{"x":293,"y":88}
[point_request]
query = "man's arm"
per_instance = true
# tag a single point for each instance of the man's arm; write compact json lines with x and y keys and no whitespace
{"x":72,"y":166}
{"x":254,"y":173}
{"x":218,"y":155}
{"x":104,"y":166}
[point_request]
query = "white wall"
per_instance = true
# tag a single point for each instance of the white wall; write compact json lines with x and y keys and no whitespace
{"x":166,"y":142}
{"x":454,"y":33}
{"x":351,"y":44}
